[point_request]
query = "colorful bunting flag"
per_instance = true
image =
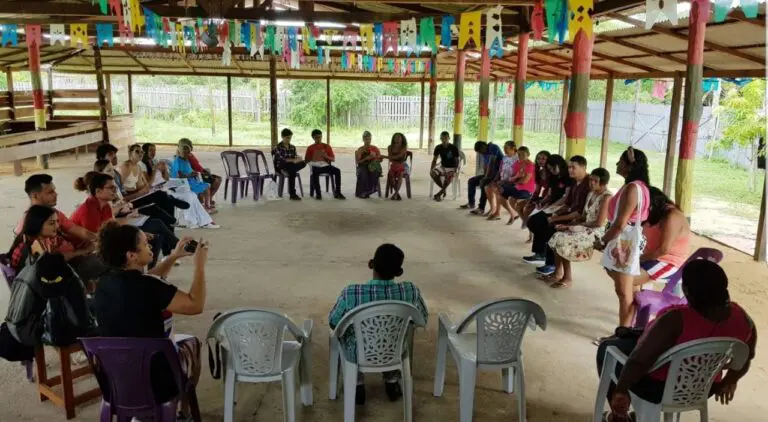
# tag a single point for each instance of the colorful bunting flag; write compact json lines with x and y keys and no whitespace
{"x":292,"y":42}
{"x":445,"y":30}
{"x":226,"y":55}
{"x":104,"y":34}
{"x":653,"y":8}
{"x":389,"y":38}
{"x":279,"y":40}
{"x":33,"y":35}
{"x":78,"y":34}
{"x":537,"y":20}
{"x":344,"y":60}
{"x":103,"y":7}
{"x":722,"y":7}
{"x":245,"y":35}
{"x":493,"y":39}
{"x":320,"y":55}
{"x":469,"y":29}
{"x":581,"y":18}
{"x":427,"y":34}
{"x":57,"y":34}
{"x":180,"y":38}
{"x":750,"y":8}
{"x":269,"y":43}
{"x":305,"y":37}
{"x":137,"y":20}
{"x":328,"y":61}
{"x":408,"y":37}
{"x":378,"y":38}
{"x":557,"y":19}
{"x":366,"y":38}
{"x":189,"y":35}
{"x":10,"y":34}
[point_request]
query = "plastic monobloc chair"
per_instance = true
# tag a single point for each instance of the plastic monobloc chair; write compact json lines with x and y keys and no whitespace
{"x":231,"y":161}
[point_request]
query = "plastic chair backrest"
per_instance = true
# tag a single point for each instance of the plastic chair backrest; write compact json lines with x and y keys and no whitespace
{"x":380,"y":328}
{"x":123,"y":367}
{"x":5,"y":269}
{"x":231,"y":161}
{"x":254,"y":337}
{"x":693,"y":367}
{"x":253,"y":165}
{"x":710,"y":254}
{"x":501,"y":325}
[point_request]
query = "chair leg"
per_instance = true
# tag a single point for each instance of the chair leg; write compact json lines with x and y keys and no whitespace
{"x":289,"y":395}
{"x":519,"y":379}
{"x":442,"y":351}
{"x":301,"y":185}
{"x":379,"y":187}
{"x":408,"y":389}
{"x":333,"y":376}
{"x":609,"y":366}
{"x":66,"y":382}
{"x":194,"y":405}
{"x":431,"y":187}
{"x":226,"y":186}
{"x":229,"y":395}
{"x":280,"y":183}
{"x":703,"y":414}
{"x":507,"y":380}
{"x":407,"y":178}
{"x":350,"y":386}
{"x":234,"y":190}
{"x":305,"y":375}
{"x":467,"y":374}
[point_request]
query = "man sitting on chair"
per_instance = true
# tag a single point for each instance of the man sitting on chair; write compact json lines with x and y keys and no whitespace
{"x":449,"y":164}
{"x":286,"y":161}
{"x":320,"y":157}
{"x":387,"y":263}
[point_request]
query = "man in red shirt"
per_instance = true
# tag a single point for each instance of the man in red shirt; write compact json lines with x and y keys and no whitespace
{"x":208,"y":177}
{"x":41,"y":191}
{"x":319,"y":157}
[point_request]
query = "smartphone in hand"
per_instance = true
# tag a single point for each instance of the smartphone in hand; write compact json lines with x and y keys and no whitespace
{"x":191,"y":246}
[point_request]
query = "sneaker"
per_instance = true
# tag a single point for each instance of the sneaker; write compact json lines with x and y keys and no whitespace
{"x":211,"y":226}
{"x":393,"y":390}
{"x":360,"y":395}
{"x":546,"y":269}
{"x":295,"y":197}
{"x":534,"y":259}
{"x":339,"y":196}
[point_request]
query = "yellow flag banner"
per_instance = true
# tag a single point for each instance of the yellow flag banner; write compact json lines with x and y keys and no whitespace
{"x":469,"y":28}
{"x":580,"y":18}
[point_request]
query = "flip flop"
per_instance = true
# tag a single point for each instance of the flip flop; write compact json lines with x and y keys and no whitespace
{"x":493,"y":218}
{"x":512,"y":220}
{"x":560,"y":284}
{"x":547,"y":278}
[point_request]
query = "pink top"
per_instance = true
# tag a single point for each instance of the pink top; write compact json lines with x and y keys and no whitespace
{"x":529,"y":169}
{"x":614,"y":203}
{"x":677,"y":253}
{"x":697,"y":327}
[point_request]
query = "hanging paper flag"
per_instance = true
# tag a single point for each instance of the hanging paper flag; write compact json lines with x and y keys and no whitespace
{"x":33,"y":35}
{"x":528,"y":85}
{"x":197,"y":44}
{"x":378,"y":38}
{"x":408,"y":37}
{"x":379,"y":64}
{"x":749,"y":7}
{"x":659,"y":89}
{"x":257,"y":40}
{"x":653,"y":8}
{"x":116,"y":8}
{"x":557,"y":13}
{"x":180,"y":38}
{"x":327,"y":57}
{"x":390,"y":65}
{"x":279,"y":40}
{"x":329,"y":34}
{"x":710,"y":84}
{"x":493,"y":39}
{"x":245,"y":35}
{"x":292,"y":43}
{"x":314,"y":33}
{"x":149,"y":16}
{"x":294,"y":63}
{"x":137,"y":20}
{"x":469,"y":29}
{"x":10,"y":36}
{"x":269,"y":42}
{"x":103,"y":7}
{"x":427,"y":67}
{"x":57,"y":34}
{"x":510,"y":88}
{"x":427,"y":34}
{"x":352,"y":60}
{"x":389,"y":38}
{"x":126,"y":11}
{"x":445,"y":30}
{"x":360,"y":62}
{"x":366,"y":38}
{"x":235,"y":30}
{"x":78,"y":34}
{"x":537,"y":20}
{"x":224,"y":33}
{"x":226,"y":55}
{"x":189,"y":35}
{"x":349,"y":39}
{"x":320,"y":55}
{"x":581,"y":18}
{"x":172,"y":41}
{"x":722,"y":7}
{"x":344,"y":61}
{"x":104,"y":34}
{"x":286,"y":50}
{"x":305,"y":36}
{"x":397,"y":66}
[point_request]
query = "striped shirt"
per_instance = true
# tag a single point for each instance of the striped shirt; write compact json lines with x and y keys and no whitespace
{"x":355,"y":295}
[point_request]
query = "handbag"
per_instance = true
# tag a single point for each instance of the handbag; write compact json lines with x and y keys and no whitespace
{"x":622,"y":253}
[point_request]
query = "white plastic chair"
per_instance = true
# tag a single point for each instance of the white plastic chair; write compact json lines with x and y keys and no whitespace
{"x":255,"y":351}
{"x":456,"y":183}
{"x":381,"y":329}
{"x":501,"y":325}
{"x":693,"y":367}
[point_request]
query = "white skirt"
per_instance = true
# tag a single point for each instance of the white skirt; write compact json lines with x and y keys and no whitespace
{"x":193,"y":217}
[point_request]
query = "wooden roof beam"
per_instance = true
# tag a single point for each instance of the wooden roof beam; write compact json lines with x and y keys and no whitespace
{"x":641,"y":48}
{"x":738,"y":14}
{"x":555,"y":56}
{"x":129,"y":54}
{"x":708,"y":44}
{"x":189,"y":65}
{"x":68,"y":56}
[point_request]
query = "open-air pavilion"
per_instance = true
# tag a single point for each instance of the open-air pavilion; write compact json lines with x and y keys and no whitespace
{"x":456,"y":263}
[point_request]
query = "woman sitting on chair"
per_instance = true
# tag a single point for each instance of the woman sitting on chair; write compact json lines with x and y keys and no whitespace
{"x":182,"y":169}
{"x":368,"y":159}
{"x":708,"y":313}
{"x":397,"y":153}
{"x":667,"y":234}
{"x":193,"y":217}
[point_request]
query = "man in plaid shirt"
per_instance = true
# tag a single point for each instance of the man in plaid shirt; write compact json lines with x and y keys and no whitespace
{"x":387,"y":263}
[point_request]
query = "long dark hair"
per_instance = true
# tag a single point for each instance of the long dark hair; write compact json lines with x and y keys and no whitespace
{"x":34,"y":221}
{"x":557,"y":160}
{"x":405,"y":141}
{"x":660,"y":206}
{"x":638,"y":163}
{"x":147,"y":160}
{"x":541,"y":172}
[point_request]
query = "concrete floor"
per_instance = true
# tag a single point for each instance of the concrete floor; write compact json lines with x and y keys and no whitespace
{"x":298,"y":256}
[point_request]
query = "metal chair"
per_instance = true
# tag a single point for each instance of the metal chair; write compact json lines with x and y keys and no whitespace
{"x":255,"y":351}
{"x":381,"y":331}
{"x":231,"y":161}
{"x":693,"y":367}
{"x":501,"y":325}
{"x":456,"y":183}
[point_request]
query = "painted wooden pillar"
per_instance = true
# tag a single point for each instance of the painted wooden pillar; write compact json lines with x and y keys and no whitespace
{"x":432,"y":103}
{"x":130,"y":93}
{"x":328,"y":111}
{"x":458,"y":98}
{"x":18,"y":170}
{"x":108,"y":86}
{"x":38,"y":99}
{"x":229,"y":108}
{"x":674,"y":120}
{"x":607,"y":110}
{"x":576,"y":119}
{"x":273,"y":99}
{"x":520,"y":76}
{"x":563,"y":113}
{"x":421,"y":116}
{"x":102,"y":94}
{"x":692,"y":108}
{"x":485,"y":87}
{"x":50,"y":93}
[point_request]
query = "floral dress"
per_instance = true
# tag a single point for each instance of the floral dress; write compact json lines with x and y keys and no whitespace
{"x":576,"y":244}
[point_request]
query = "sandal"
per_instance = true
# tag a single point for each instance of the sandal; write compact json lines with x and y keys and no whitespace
{"x":512,"y":220}
{"x":548,"y":278}
{"x":493,"y":217}
{"x":560,"y":284}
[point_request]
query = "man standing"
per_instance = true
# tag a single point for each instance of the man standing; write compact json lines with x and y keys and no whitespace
{"x":492,"y":156}
{"x":320,"y":157}
{"x":287,"y":161}
{"x":542,"y":224}
{"x":449,"y":164}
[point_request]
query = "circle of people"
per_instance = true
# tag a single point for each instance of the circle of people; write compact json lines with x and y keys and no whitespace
{"x":568,"y":210}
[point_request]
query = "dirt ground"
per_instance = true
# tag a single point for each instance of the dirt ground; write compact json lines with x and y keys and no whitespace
{"x":297,"y":257}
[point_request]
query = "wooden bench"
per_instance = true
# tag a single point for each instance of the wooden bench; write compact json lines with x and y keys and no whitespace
{"x":67,"y":398}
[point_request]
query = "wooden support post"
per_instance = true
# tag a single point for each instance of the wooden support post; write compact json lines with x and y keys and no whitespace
{"x":421,"y":117}
{"x":38,"y":101}
{"x":229,"y":108}
{"x":458,"y":98}
{"x":493,"y":112}
{"x":130,"y":93}
{"x":328,"y":111}
{"x":693,"y":106}
{"x":102,"y":94}
{"x":432,"y":102}
{"x":485,"y":74}
{"x":108,"y":86}
{"x":273,"y":98}
{"x":17,"y":168}
{"x":50,"y":93}
{"x":674,"y":119}
{"x":520,"y":76}
{"x":563,"y":112}
{"x":635,"y":107}
{"x":761,"y":242}
{"x":576,"y":119}
{"x":605,"y":140}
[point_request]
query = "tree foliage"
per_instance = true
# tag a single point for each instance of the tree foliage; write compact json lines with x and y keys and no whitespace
{"x":742,"y":110}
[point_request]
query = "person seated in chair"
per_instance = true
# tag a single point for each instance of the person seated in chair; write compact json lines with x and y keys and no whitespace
{"x":208,"y":177}
{"x":708,"y":313}
{"x":368,"y":160}
{"x":492,"y":156}
{"x":320,"y":158}
{"x":182,"y":169}
{"x":667,"y":233}
{"x":449,"y":164}
{"x":387,"y":263}
{"x":288,"y":162}
{"x":130,"y":302}
{"x":397,"y":154}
